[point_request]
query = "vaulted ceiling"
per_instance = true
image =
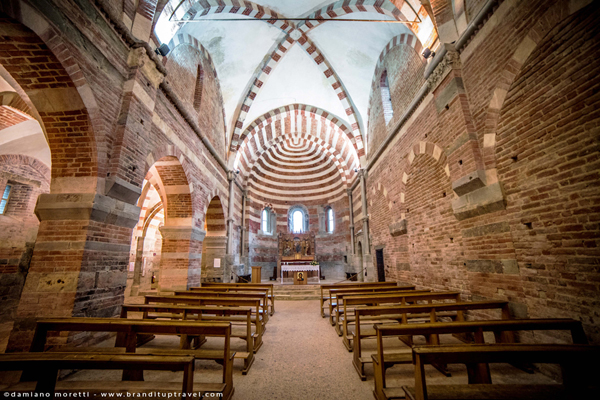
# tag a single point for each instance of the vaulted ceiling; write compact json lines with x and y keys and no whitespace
{"x":319,"y":61}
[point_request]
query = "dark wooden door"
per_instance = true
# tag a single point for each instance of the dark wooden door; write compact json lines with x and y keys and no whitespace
{"x":380,"y":268}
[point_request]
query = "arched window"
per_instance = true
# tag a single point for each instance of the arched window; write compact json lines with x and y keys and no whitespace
{"x":330,"y":220}
{"x":298,"y":219}
{"x":386,"y":97}
{"x":198,"y":88}
{"x":297,"y":222}
{"x":266,"y":220}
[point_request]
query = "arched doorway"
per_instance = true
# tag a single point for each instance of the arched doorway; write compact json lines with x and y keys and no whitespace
{"x":215,"y":243}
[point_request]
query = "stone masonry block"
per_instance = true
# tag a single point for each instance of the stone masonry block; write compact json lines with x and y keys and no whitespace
{"x":470,"y":182}
{"x":478,"y":202}
{"x":398,"y":228}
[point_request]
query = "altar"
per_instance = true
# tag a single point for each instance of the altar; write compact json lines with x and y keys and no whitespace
{"x":296,"y":252}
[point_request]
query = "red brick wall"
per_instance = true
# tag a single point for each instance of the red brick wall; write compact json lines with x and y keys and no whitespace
{"x":405,"y":76}
{"x":18,"y":226}
{"x":182,"y":66}
{"x":539,"y":252}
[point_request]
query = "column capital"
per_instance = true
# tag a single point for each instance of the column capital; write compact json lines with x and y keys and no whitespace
{"x":231,"y":176}
{"x":349,"y":191}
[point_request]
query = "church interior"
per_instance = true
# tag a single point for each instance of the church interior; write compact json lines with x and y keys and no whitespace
{"x":415,"y":183}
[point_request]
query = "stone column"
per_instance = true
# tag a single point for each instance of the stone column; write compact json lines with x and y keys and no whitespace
{"x":79,"y":264}
{"x":243,"y":225}
{"x":352,"y":249}
{"x":138,"y":265}
{"x":231,"y":179}
{"x":367,"y":260}
{"x":181,"y":257}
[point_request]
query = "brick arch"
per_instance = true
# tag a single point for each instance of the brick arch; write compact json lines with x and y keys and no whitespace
{"x":256,"y":130}
{"x":185,"y":39}
{"x":379,"y":188}
{"x":405,"y":39}
{"x":426,"y":148}
{"x":345,"y":7}
{"x":553,"y":16}
{"x":14,"y":100}
{"x":215,"y":193}
{"x":34,"y":163}
{"x":190,"y":10}
{"x":70,"y":120}
{"x":174,"y":185}
{"x":263,"y":71}
{"x":215,"y":217}
{"x":332,"y":154}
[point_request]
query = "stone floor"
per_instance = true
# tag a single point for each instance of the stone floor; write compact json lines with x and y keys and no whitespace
{"x":303,"y":358}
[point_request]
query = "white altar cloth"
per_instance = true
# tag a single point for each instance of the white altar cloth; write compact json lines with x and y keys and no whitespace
{"x":297,"y":268}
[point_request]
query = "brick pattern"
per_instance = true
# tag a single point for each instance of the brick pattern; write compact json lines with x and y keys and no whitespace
{"x":326,"y":130}
{"x":405,"y":66}
{"x":9,"y":117}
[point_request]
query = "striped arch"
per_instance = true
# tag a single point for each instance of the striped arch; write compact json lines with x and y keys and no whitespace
{"x":213,"y":193}
{"x":430,"y":149}
{"x":191,"y":10}
{"x":400,"y":40}
{"x":184,"y":38}
{"x":544,"y":25}
{"x":331,"y":153}
{"x":258,"y":80}
{"x":345,"y":7}
{"x":329,"y":131}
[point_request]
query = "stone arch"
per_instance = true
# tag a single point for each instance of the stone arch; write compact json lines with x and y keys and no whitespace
{"x":552,"y":17}
{"x":69,"y":93}
{"x":185,"y":39}
{"x":379,"y":188}
{"x":427,"y":148}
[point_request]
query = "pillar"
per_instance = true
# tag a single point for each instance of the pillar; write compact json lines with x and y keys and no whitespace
{"x":367,"y":259}
{"x":181,"y":257}
{"x":79,"y":264}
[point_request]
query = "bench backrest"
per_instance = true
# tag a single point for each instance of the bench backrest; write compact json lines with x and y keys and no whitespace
{"x":129,"y":327}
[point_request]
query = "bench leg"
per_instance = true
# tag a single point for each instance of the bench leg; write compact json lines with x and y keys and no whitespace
{"x":379,"y":378}
{"x":47,"y":381}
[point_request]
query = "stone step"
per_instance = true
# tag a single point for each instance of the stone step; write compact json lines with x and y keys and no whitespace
{"x":296,"y":297}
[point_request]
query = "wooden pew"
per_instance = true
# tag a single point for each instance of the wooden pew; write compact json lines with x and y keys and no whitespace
{"x":268,"y":286}
{"x":403,"y":314}
{"x":240,"y":289}
{"x":334,"y":304}
{"x":127,"y":331}
{"x":350,"y":285}
{"x":376,"y":299}
{"x":579,"y":382}
{"x":206,"y":314}
{"x":221,"y":302}
{"x":500,"y":328}
{"x":44,"y":368}
{"x":237,"y":295}
{"x":337,"y":311}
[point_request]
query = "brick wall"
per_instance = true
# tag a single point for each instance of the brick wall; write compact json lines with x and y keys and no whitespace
{"x":538,"y":252}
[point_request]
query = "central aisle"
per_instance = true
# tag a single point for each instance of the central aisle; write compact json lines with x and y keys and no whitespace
{"x":302,"y":358}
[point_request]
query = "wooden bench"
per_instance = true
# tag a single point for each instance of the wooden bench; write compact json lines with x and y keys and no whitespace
{"x":268,"y":286}
{"x":206,"y":314}
{"x":431,"y":331}
{"x":405,"y":313}
{"x":234,"y":295}
{"x":127,"y":331}
{"x":339,"y":301}
{"x":324,"y":288}
{"x":334,"y":303}
{"x":270,"y":299}
{"x":350,"y":302}
{"x":44,"y":368}
{"x":580,"y":381}
{"x":254,"y":303}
